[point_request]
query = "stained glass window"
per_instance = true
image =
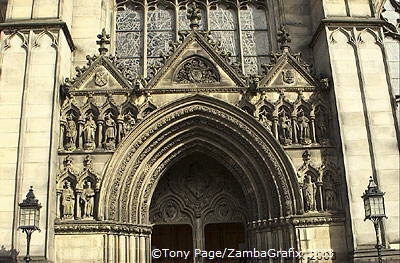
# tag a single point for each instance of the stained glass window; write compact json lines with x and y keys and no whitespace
{"x":129,"y":37}
{"x":253,"y":24}
{"x":247,"y":42}
{"x":223,"y":27}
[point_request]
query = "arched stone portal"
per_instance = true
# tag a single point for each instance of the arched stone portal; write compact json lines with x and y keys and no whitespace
{"x":199,"y":192}
{"x":201,"y":124}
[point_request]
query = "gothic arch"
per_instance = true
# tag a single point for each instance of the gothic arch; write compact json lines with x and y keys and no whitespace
{"x":199,"y":123}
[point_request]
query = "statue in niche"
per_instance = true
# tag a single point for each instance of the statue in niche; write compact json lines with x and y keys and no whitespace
{"x":285,"y":129}
{"x":129,"y":123}
{"x":89,"y":133}
{"x":70,"y":133}
{"x":263,"y":119}
{"x":330,"y":195}
{"x":111,"y":131}
{"x":88,"y":200}
{"x":265,"y":122}
{"x":322,"y":128}
{"x":309,"y":193}
{"x":303,"y":128}
{"x":68,"y":201}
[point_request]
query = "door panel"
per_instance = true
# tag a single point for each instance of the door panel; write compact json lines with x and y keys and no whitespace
{"x":173,"y":237}
{"x":224,"y":235}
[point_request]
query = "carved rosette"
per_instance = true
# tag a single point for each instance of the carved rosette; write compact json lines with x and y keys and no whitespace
{"x":196,"y":69}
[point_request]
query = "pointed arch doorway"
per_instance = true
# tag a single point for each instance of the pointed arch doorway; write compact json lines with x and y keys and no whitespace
{"x":198,"y":204}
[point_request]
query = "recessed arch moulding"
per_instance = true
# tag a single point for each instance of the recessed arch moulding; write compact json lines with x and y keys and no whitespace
{"x":199,"y":124}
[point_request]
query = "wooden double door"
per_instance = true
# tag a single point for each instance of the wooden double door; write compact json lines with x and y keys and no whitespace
{"x":216,"y":237}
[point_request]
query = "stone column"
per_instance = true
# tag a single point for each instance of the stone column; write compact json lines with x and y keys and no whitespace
{"x":120,"y":121}
{"x":142,"y":248}
{"x":100,"y":124}
{"x":111,"y":249}
{"x":122,"y":248}
{"x":61,"y":136}
{"x":320,"y":196}
{"x":275,"y":127}
{"x":132,"y":249}
{"x":198,"y":234}
{"x":78,"y":210}
{"x":294,"y":129}
{"x":313,"y":136}
{"x":81,"y":122}
{"x":58,"y":204}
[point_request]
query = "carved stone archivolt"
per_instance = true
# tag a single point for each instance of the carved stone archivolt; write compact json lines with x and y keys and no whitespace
{"x":117,"y":184}
{"x":198,"y":70}
{"x":77,"y":192}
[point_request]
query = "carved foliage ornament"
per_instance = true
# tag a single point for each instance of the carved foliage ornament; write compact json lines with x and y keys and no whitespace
{"x":197,"y":70}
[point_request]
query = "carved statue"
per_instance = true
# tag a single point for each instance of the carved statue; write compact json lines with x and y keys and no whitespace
{"x":330,"y":195}
{"x":303,"y":128}
{"x":111,"y":130}
{"x":285,"y":129}
{"x":88,"y":200}
{"x":330,"y":199}
{"x":129,"y":123}
{"x":89,"y":133}
{"x":68,"y":201}
{"x":322,"y":128}
{"x":263,"y":119}
{"x":70,"y":133}
{"x":309,"y":192}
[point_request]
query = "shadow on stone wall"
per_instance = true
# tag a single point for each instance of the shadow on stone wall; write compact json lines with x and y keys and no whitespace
{"x":8,"y":255}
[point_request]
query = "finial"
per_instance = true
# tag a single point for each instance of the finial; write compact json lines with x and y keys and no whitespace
{"x":87,"y":162}
{"x":306,"y":156}
{"x":194,"y":15}
{"x":30,"y":198}
{"x":253,"y":82}
{"x":284,"y":38}
{"x":104,"y":39}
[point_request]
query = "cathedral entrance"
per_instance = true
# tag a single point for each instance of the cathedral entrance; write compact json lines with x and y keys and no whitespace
{"x":198,"y":204}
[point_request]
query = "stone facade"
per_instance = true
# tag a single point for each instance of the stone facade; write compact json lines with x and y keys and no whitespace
{"x":270,"y":114}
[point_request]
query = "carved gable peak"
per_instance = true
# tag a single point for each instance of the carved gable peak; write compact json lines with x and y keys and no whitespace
{"x":288,"y":71}
{"x":99,"y":74}
{"x":195,"y":59}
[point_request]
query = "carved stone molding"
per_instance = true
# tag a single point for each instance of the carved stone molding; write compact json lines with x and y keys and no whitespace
{"x":307,"y":220}
{"x":197,"y":70}
{"x":79,"y":227}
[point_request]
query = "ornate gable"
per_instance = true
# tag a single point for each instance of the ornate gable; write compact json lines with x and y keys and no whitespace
{"x":287,"y":71}
{"x":184,"y":57}
{"x":99,"y":74}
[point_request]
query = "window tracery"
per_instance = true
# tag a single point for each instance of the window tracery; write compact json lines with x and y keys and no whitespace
{"x":240,"y":26}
